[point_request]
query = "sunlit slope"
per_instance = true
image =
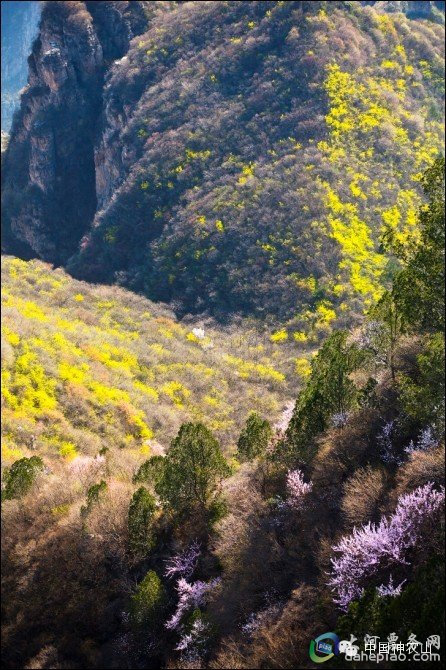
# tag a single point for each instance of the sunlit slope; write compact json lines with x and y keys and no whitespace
{"x":87,"y":367}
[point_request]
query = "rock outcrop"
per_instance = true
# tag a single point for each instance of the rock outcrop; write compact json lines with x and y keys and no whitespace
{"x":49,"y":186}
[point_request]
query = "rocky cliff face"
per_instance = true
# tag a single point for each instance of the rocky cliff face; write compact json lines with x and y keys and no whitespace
{"x":50,"y":192}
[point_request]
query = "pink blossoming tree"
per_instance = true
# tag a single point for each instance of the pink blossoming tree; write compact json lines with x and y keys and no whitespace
{"x":191,"y":596}
{"x":373,"y":548}
{"x":183,"y":564}
{"x":297,"y":489}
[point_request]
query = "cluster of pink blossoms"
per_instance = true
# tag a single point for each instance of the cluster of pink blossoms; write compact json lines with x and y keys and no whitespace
{"x":183,"y":564}
{"x":377,"y":547}
{"x":297,"y":489}
{"x":191,"y":596}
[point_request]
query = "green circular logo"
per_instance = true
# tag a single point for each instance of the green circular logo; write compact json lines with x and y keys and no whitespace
{"x":324,"y":647}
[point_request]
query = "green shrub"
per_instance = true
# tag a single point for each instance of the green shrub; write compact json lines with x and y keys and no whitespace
{"x":141,"y":510}
{"x":391,"y":325}
{"x":194,"y":466}
{"x":422,"y":395}
{"x":20,"y":477}
{"x":95,"y":491}
{"x":148,"y":602}
{"x":254,"y":438}
{"x":218,"y":509}
{"x":94,"y":494}
{"x":329,"y":391}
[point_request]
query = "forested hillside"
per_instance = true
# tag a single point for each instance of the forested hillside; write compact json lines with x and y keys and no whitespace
{"x":86,"y":367}
{"x":223,"y":337}
{"x":241,"y":157}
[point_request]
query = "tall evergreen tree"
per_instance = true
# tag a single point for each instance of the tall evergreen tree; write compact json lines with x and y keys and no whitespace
{"x":193,"y":468}
{"x":419,"y":288}
{"x":254,"y":437}
{"x":141,"y":510}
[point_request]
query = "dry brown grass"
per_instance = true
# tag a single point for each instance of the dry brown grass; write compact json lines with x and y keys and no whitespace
{"x":234,"y":531}
{"x":282,"y":643}
{"x":422,"y":467}
{"x":48,"y":657}
{"x":341,"y":450}
{"x":363,"y":492}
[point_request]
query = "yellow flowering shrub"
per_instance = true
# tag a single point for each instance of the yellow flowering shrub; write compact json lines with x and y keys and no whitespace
{"x":176,"y":392}
{"x":279,"y":336}
{"x":107,"y":394}
{"x":27,"y":386}
{"x":102,"y":376}
{"x":68,"y":450}
{"x":303,"y":367}
{"x":300,"y":336}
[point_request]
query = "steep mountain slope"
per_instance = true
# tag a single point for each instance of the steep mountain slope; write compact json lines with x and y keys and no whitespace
{"x":51,"y":196}
{"x":96,"y":380}
{"x":19,"y":28}
{"x":233,"y":158}
{"x":203,"y":556}
{"x":243,"y":157}
{"x":88,"y":367}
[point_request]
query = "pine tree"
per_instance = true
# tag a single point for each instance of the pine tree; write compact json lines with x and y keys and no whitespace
{"x":141,"y":511}
{"x":193,"y":468}
{"x":254,"y":438}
